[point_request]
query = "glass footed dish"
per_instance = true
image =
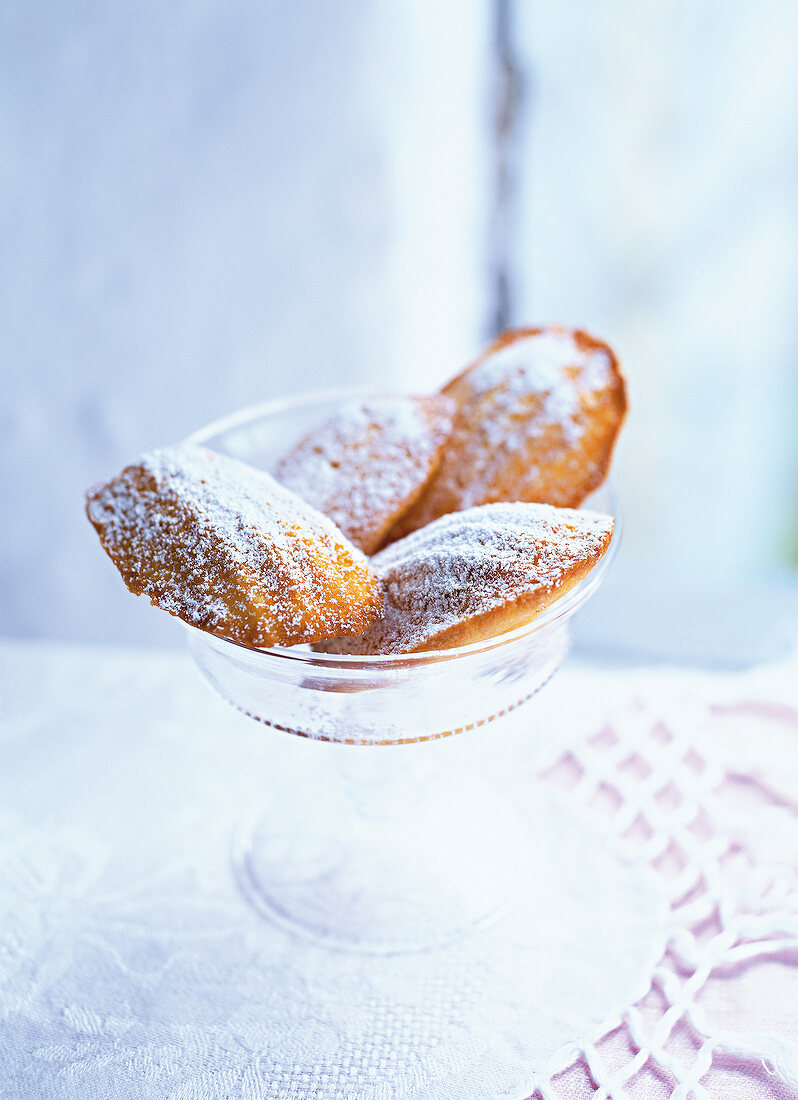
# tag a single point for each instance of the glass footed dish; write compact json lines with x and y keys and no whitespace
{"x":383,"y":834}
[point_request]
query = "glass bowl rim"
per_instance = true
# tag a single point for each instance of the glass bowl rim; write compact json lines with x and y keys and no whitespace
{"x":560,"y":610}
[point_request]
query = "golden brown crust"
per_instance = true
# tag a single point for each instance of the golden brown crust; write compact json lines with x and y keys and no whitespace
{"x":475,"y":574}
{"x":514,"y":613}
{"x":225,"y":548}
{"x":367,"y":465}
{"x":537,"y":418}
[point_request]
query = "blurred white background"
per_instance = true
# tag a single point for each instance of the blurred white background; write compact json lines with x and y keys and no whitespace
{"x":207,"y":204}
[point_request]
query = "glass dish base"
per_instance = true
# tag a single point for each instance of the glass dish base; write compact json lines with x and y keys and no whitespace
{"x":460,"y":994}
{"x":383,"y":853}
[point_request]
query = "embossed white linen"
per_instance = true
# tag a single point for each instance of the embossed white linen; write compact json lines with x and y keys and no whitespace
{"x":130,"y":966}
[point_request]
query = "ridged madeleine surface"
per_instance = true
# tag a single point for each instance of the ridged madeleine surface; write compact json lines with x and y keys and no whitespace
{"x":227,"y":549}
{"x":370,"y":462}
{"x":474,"y":574}
{"x":536,"y":420}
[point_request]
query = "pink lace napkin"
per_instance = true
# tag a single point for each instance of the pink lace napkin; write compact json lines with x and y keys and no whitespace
{"x":699,"y":776}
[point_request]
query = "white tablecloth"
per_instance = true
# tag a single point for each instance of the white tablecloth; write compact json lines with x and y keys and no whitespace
{"x":131,"y":967}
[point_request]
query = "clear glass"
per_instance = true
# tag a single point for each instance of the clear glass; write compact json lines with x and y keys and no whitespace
{"x":398,"y":847}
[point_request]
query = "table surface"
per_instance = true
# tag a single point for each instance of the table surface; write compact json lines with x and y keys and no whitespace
{"x":129,"y":965}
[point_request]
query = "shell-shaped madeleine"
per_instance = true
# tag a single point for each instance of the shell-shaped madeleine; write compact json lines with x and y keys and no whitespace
{"x":369,"y":463}
{"x":537,"y":418}
{"x":227,"y":549}
{"x":474,"y":574}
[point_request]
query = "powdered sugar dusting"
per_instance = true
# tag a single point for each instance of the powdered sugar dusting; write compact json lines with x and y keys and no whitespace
{"x":536,"y":421}
{"x":537,"y":365}
{"x":364,"y":467}
{"x":477,"y":562}
{"x":226,"y":548}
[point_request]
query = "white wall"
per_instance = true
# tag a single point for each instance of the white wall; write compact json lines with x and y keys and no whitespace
{"x":203,"y":204}
{"x":657,"y":174}
{"x":206,"y":204}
